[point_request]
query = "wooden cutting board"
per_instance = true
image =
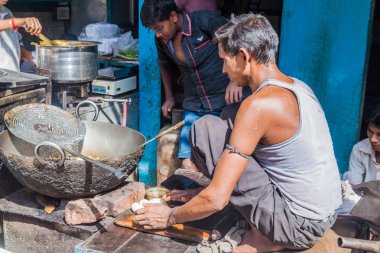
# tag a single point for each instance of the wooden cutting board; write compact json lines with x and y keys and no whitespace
{"x":180,"y":231}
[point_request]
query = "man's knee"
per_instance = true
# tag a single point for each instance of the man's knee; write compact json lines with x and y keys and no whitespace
{"x":206,"y":126}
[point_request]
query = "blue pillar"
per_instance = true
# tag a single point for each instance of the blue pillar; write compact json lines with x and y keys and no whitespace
{"x":150,"y":101}
{"x":325,"y":44}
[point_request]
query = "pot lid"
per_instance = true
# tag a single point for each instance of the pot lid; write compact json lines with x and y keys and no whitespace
{"x":12,"y":79}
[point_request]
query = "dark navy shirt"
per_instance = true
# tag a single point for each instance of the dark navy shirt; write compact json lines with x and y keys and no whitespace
{"x":203,"y":80}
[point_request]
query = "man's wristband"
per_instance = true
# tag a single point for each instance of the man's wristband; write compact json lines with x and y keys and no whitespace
{"x":171,"y":219}
{"x":14,"y":26}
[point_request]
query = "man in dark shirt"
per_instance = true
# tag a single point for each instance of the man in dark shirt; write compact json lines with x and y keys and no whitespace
{"x":185,"y":39}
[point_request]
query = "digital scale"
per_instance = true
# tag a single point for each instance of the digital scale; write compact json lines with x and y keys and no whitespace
{"x":114,"y":81}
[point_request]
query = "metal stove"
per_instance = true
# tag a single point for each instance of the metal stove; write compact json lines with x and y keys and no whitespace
{"x":17,"y":88}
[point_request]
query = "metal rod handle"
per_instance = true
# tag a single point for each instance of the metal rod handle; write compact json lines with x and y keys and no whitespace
{"x":351,"y":243}
{"x":53,"y":145}
{"x":88,"y":102}
{"x":176,"y":126}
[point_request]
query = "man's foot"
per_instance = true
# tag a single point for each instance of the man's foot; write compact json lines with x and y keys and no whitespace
{"x":254,"y":241}
{"x":189,"y":165}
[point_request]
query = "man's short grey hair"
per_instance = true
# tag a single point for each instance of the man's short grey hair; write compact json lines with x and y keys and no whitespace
{"x":252,"y":32}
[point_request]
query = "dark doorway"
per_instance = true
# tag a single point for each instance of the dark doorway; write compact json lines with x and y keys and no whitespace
{"x":372,"y":92}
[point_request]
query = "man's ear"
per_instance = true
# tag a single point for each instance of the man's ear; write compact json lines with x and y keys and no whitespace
{"x":173,"y":17}
{"x":246,"y":55}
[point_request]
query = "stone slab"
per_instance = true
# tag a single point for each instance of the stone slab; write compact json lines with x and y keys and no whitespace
{"x":27,"y":228}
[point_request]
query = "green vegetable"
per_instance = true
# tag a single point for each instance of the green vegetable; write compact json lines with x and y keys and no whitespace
{"x":129,"y":55}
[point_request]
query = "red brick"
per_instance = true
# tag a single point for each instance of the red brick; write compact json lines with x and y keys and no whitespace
{"x":112,"y":203}
{"x":85,"y":211}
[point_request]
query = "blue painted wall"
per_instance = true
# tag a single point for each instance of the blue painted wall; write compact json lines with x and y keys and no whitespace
{"x":324,"y":43}
{"x":150,"y":102}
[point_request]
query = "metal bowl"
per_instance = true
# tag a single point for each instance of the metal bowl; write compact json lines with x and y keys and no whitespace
{"x":155,"y":194}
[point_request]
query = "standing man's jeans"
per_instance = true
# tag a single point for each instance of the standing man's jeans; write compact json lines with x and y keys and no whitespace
{"x":184,"y":149}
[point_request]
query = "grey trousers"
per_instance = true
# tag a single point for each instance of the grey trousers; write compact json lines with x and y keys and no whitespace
{"x":255,"y":196}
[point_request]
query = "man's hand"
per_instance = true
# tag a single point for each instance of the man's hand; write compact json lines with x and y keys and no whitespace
{"x":154,"y":216}
{"x":234,"y":93}
{"x":32,"y":25}
{"x":182,"y":195}
{"x":167,"y":107}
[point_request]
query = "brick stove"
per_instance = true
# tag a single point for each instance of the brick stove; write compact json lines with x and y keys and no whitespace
{"x":28,"y":228}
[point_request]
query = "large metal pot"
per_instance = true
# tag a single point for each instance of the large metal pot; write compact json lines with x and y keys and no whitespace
{"x":110,"y":144}
{"x":72,"y":64}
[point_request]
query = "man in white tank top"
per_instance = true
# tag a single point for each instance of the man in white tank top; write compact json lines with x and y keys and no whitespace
{"x":273,"y":160}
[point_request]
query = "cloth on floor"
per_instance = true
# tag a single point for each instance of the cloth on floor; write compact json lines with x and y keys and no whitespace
{"x":226,"y":244}
{"x":349,"y":198}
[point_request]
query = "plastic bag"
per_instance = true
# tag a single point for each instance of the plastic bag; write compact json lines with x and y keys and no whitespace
{"x":127,"y":47}
{"x":105,"y":33}
{"x":102,"y":30}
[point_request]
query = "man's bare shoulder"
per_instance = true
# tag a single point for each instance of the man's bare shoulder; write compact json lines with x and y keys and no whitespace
{"x":270,"y":100}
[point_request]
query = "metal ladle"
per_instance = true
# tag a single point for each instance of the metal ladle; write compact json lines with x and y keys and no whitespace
{"x":42,"y":37}
{"x":45,"y":39}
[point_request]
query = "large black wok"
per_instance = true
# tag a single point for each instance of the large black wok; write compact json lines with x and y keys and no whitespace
{"x":107,"y":143}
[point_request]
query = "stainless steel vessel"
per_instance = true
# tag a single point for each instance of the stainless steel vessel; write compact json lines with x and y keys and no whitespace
{"x":72,"y":64}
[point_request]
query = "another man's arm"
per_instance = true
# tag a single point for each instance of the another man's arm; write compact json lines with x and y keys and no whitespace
{"x":169,"y":103}
{"x":32,"y":25}
{"x":211,"y":22}
{"x":165,"y":65}
{"x":356,"y":172}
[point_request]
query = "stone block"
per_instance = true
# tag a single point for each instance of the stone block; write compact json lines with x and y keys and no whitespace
{"x":85,"y":211}
{"x":112,"y":203}
{"x":120,"y":200}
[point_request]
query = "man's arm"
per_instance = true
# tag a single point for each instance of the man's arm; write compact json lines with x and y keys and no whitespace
{"x":356,"y":171}
{"x":211,"y":21}
{"x":32,"y":25}
{"x":230,"y":167}
{"x":169,"y":103}
{"x":165,"y":64}
{"x":234,"y":93}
